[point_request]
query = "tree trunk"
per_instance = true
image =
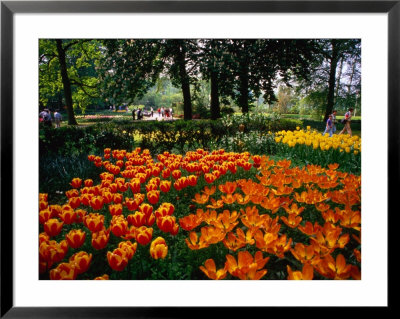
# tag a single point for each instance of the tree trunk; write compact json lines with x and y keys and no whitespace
{"x":338,"y":80}
{"x":244,"y":88}
{"x":185,"y":84}
{"x":353,"y":69}
{"x":332,"y":79}
{"x":215,"y":108}
{"x":66,"y":83}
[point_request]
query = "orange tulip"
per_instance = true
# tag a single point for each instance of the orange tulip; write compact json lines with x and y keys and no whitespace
{"x":176,"y":174}
{"x":306,"y":254}
{"x":200,"y":198}
{"x":192,"y":180}
{"x":117,"y":259}
{"x":88,"y":182}
{"x":85,"y":199}
{"x":52,"y":252}
{"x":210,"y":178}
{"x":165,"y":209}
{"x":146,"y":209}
{"x":144,"y":235}
{"x":43,"y":237}
{"x":94,"y":222}
{"x":190,"y":222}
{"x":306,"y":274}
{"x":100,"y":239}
{"x":67,"y":214}
{"x":228,"y":187}
{"x":76,"y":238}
{"x":310,"y":229}
{"x":138,"y":219}
{"x":119,"y":225}
{"x":334,"y":269}
{"x":150,"y":220}
{"x":209,"y":190}
{"x":72,"y":193}
{"x":81,"y":260}
{"x":53,"y":227}
{"x":76,"y":182}
{"x":330,"y":216}
{"x":211,"y":272}
{"x":257,"y":160}
{"x":166,"y":173}
{"x":246,"y":267}
{"x":329,"y":238}
{"x":129,"y":247}
{"x":293,"y":221}
{"x":165,"y":186}
{"x":181,"y":183}
{"x":158,"y":248}
{"x":107,"y":197}
{"x":131,"y":203}
{"x":64,"y":271}
{"x":115,"y":209}
{"x":151,"y":187}
{"x":104,"y":277}
{"x":96,"y":202}
{"x":194,"y":242}
{"x":280,"y":246}
{"x":74,"y":202}
{"x":43,"y":196}
{"x":232,"y":242}
{"x":294,"y":209}
{"x":166,"y":223}
{"x":153,"y":197}
{"x":117,"y":198}
{"x":44,"y":215}
{"x":55,"y":210}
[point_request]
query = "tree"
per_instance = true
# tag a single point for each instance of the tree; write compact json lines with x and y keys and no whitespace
{"x":129,"y":68}
{"x":180,"y":59}
{"x":217,"y":65}
{"x":258,"y":63}
{"x":335,"y":50}
{"x":68,"y":66}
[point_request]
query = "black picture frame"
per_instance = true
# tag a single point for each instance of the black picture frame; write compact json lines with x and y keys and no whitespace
{"x":9,"y":8}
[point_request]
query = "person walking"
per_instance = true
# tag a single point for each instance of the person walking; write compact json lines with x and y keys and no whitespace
{"x":346,"y":121}
{"x":162,"y":111}
{"x":151,"y":110}
{"x":45,"y":114}
{"x":57,"y":118}
{"x":329,"y":126}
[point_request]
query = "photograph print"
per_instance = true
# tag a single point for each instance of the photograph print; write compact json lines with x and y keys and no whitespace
{"x":199,"y":159}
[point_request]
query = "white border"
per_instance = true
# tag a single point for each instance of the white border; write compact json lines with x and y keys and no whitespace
{"x":370,"y":291}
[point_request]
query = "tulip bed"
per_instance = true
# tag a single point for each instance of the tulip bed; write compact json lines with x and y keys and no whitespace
{"x":308,"y":145}
{"x":203,"y":215}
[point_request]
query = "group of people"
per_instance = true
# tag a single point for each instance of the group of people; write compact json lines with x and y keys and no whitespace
{"x":164,"y":112}
{"x":46,"y":118}
{"x":137,"y":113}
{"x":331,"y":123}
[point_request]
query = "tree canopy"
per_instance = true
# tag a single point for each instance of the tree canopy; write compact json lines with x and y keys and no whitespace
{"x":83,"y":72}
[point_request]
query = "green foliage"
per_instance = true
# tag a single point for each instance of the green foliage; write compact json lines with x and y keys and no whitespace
{"x":226,"y":110}
{"x":71,"y":140}
{"x":82,"y":59}
{"x":56,"y":170}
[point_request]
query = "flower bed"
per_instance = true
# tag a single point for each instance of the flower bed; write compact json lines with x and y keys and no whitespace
{"x":217,"y":215}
